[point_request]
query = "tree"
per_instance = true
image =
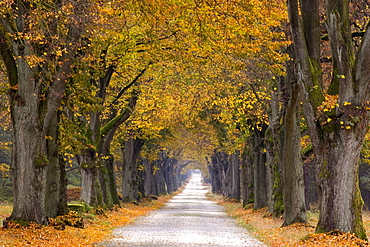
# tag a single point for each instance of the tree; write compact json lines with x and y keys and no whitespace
{"x":337,"y":118}
{"x":290,"y":157}
{"x":130,"y":183}
{"x":39,"y":41}
{"x":101,"y":100}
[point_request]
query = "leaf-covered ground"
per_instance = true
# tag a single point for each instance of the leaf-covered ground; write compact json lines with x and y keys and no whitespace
{"x":97,"y":227}
{"x":268,"y":229}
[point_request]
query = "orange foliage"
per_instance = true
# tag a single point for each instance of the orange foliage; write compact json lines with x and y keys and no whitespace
{"x":97,"y":228}
{"x":333,"y":238}
{"x":268,"y":229}
{"x":73,"y":194}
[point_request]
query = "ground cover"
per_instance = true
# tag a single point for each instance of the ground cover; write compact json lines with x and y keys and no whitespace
{"x":96,"y":227}
{"x":268,"y":229}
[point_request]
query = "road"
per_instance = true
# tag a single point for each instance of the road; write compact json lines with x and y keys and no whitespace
{"x":188,"y":219}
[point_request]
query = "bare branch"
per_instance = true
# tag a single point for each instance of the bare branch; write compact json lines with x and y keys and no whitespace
{"x":124,"y":89}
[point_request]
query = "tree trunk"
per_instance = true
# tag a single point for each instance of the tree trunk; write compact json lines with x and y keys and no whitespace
{"x":247,"y":189}
{"x":290,"y":157}
{"x":233,"y":177}
{"x":37,"y":175}
{"x":337,"y":176}
{"x":160,"y":178}
{"x":90,"y":187}
{"x":29,"y":163}
{"x":293,"y":183}
{"x":141,"y":177}
{"x":273,"y":146}
{"x":311,"y":195}
{"x":337,"y":122}
{"x":170,"y":175}
{"x":215,"y":171}
{"x":148,"y":184}
{"x":259,"y":164}
{"x":112,"y":186}
{"x":56,"y":181}
{"x":150,"y":178}
{"x":222,"y":164}
{"x":180,"y":178}
{"x":130,"y":182}
{"x":105,"y":182}
{"x":88,"y":194}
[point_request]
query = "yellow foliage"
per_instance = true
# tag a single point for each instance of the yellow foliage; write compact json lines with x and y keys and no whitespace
{"x":4,"y":170}
{"x":331,"y":101}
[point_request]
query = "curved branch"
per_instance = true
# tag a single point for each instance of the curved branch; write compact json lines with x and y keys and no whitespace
{"x":124,"y":89}
{"x":362,"y":68}
{"x":121,"y":118}
{"x":306,"y":71}
{"x":8,"y":59}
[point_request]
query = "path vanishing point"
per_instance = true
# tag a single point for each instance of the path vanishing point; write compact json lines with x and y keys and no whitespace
{"x":188,"y":219}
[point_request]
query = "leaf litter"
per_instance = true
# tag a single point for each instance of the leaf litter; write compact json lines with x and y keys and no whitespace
{"x":96,"y":228}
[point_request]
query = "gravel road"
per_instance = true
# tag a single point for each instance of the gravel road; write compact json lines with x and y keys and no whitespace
{"x":188,"y":219}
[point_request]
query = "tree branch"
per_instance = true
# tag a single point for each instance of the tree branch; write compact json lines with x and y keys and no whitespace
{"x":339,"y":31}
{"x":362,"y":68}
{"x":304,"y":70}
{"x":121,"y":118}
{"x":8,"y":59}
{"x":159,"y":39}
{"x":353,"y":34}
{"x":124,"y":89}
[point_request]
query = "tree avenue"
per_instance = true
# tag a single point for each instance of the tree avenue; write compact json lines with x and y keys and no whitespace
{"x":134,"y":93}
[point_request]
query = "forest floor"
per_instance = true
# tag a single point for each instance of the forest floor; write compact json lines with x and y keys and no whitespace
{"x":96,"y":227}
{"x":262,"y":225}
{"x":99,"y":227}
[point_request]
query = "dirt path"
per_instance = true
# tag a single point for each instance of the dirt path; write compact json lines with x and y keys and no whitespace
{"x":189,"y":219}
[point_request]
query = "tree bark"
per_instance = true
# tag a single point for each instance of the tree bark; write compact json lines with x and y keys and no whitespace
{"x":222,"y":164}
{"x":293,"y":183}
{"x":215,"y":171}
{"x":160,"y":177}
{"x":337,"y":134}
{"x":111,"y":180}
{"x":235,"y":174}
{"x":130,"y":182}
{"x":56,"y":181}
{"x":28,"y":161}
{"x":141,"y":178}
{"x":341,"y":201}
{"x":247,"y":184}
{"x":290,"y":156}
{"x":35,"y":96}
{"x":259,"y":164}
{"x":89,"y":175}
{"x":274,"y":151}
{"x":170,"y":174}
